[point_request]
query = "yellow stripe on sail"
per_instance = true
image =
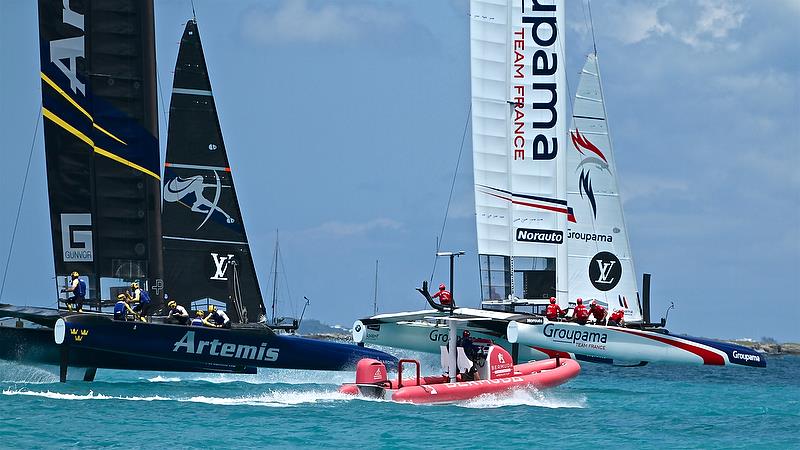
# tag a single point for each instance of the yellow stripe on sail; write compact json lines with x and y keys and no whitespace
{"x":77,"y":133}
{"x":78,"y":107}
{"x":108,"y":134}
{"x":65,"y":95}
{"x":108,"y":154}
{"x":60,"y":122}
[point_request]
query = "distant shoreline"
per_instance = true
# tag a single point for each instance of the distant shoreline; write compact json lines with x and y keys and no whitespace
{"x":770,"y":348}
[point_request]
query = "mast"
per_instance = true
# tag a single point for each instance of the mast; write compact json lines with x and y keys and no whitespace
{"x":375,"y":297}
{"x":275,"y":278}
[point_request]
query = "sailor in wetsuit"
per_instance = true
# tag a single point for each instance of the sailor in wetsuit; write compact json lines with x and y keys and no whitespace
{"x":617,"y":318}
{"x":122,"y":308}
{"x":598,"y":312}
{"x":445,"y":297}
{"x":177,"y":314}
{"x":581,"y":313}
{"x":78,"y":289}
{"x":554,"y":311}
{"x":216,"y":318}
{"x":198,"y":319}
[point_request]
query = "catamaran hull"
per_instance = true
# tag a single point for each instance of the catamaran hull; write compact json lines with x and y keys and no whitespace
{"x":36,"y":346}
{"x":627,"y":344}
{"x":429,"y":338}
{"x":174,"y":347}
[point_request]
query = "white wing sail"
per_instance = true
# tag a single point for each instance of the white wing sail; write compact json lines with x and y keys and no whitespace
{"x":518,"y":137}
{"x":600,"y":261}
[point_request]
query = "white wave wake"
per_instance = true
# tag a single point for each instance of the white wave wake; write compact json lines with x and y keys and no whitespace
{"x":524,"y":397}
{"x":13,"y":372}
{"x":269,"y":399}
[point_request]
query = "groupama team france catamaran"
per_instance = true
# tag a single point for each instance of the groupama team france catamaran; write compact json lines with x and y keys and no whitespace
{"x":104,"y":185}
{"x":548,"y":211}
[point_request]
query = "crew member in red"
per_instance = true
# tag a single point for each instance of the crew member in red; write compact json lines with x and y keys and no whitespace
{"x":598,"y":312}
{"x":581,"y":313}
{"x":553,"y":310}
{"x":445,"y":297}
{"x":617,"y":318}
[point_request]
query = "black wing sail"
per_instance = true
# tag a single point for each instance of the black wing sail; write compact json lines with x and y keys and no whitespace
{"x":101,"y":145}
{"x":203,"y":229}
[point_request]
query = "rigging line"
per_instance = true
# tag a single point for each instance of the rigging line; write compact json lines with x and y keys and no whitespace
{"x":21,"y":198}
{"x":288,"y":287}
{"x":452,"y":186}
{"x":194,"y":16}
{"x":591,"y":23}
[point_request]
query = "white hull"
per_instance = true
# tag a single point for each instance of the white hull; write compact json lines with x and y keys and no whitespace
{"x":630,"y":345}
{"x":427,"y":337}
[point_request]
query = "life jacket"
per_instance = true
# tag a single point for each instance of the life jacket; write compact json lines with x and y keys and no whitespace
{"x":617,"y":315}
{"x":445,"y":297}
{"x":144,"y":297}
{"x":197,"y":322}
{"x":553,"y":310}
{"x":80,"y":289}
{"x":598,"y":311}
{"x":581,"y":313}
{"x":119,"y":308}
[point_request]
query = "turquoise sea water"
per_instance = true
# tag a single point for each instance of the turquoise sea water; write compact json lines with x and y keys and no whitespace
{"x":645,"y":407}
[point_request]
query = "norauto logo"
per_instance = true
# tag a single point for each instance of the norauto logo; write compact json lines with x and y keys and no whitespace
{"x":570,"y":336}
{"x":541,"y":236}
{"x":224,"y":349}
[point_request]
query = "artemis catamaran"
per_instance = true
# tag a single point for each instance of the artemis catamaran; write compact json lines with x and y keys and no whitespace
{"x":99,"y":102}
{"x":548,"y":212}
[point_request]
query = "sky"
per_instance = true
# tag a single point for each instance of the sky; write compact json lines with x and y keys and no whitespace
{"x":343,"y":122}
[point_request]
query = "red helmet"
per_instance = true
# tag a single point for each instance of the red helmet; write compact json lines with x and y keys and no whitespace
{"x":552,"y":300}
{"x":465,"y":333}
{"x":580,"y":301}
{"x":442,"y":287}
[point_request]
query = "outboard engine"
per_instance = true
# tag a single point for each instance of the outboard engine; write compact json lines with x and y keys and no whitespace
{"x":499,"y":364}
{"x":371,"y":378}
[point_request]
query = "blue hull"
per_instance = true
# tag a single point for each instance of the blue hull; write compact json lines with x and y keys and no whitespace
{"x":153,"y":346}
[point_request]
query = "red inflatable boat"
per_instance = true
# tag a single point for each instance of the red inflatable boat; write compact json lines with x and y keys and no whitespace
{"x":497,"y":375}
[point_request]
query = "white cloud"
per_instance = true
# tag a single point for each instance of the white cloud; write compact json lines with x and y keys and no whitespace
{"x":701,"y":24}
{"x":299,"y":21}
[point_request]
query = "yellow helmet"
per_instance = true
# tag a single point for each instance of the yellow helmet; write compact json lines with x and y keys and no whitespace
{"x":211,"y":308}
{"x":75,"y":274}
{"x":135,"y":285}
{"x":121,"y":297}
{"x":172,"y":303}
{"x":200,"y":313}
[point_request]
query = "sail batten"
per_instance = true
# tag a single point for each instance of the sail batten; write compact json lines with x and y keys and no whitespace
{"x":204,"y":236}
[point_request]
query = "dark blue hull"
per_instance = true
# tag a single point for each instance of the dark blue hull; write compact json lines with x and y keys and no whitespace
{"x":154,"y":346}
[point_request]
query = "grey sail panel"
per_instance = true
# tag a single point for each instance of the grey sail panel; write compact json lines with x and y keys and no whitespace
{"x":203,"y":228}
